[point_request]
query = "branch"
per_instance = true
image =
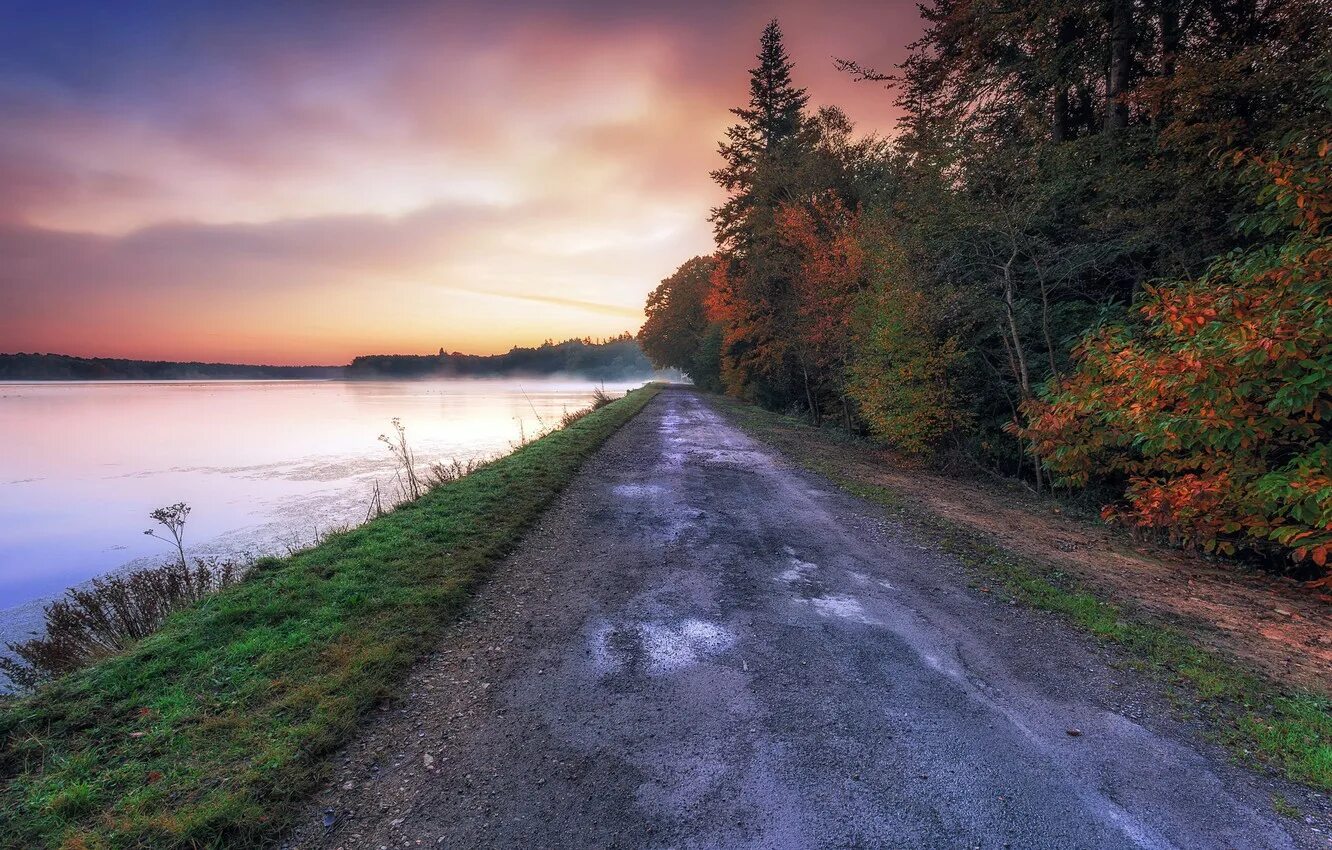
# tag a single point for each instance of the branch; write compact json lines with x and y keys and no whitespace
{"x":863,"y":73}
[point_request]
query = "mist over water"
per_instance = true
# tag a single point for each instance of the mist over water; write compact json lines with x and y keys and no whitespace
{"x":263,"y":464}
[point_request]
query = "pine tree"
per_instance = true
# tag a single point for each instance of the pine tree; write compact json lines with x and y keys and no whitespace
{"x":773,"y":119}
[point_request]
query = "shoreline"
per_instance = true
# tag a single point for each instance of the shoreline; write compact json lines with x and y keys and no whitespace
{"x":247,"y":692}
{"x":251,"y":497}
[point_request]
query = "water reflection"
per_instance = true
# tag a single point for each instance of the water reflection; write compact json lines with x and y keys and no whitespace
{"x":264,"y":464}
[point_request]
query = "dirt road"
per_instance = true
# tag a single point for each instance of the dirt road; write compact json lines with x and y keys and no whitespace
{"x":702,"y":647}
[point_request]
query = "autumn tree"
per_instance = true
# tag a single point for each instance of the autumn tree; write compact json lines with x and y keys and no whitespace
{"x":906,"y":357}
{"x":827,"y":276}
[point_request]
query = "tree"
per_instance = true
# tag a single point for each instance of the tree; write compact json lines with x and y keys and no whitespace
{"x":678,"y":333}
{"x":905,"y":359}
{"x":751,"y":293}
{"x":828,"y":274}
{"x":766,"y":127}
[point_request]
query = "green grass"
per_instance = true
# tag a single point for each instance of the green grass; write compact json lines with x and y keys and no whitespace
{"x":1259,"y":720}
{"x":212,"y":731}
{"x":1284,"y":807}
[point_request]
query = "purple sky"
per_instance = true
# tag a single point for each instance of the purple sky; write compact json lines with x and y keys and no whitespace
{"x":302,"y":182}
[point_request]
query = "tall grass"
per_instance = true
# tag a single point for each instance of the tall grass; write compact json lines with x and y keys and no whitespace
{"x":409,"y":481}
{"x":600,"y":398}
{"x":111,"y":614}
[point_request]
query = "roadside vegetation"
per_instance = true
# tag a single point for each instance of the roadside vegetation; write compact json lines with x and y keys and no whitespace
{"x":1094,"y":257}
{"x":1271,"y":723}
{"x":209,"y":731}
{"x":110,"y":613}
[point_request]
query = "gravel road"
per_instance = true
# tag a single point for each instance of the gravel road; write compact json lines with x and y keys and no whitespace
{"x":700,"y":646}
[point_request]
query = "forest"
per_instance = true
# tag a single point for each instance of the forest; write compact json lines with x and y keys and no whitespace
{"x":64,"y":367}
{"x":615,"y":358}
{"x":1094,"y":256}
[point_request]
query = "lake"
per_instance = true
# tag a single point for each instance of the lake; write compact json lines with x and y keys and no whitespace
{"x":264,"y":465}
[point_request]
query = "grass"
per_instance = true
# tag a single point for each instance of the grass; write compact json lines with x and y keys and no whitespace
{"x":1259,"y":720}
{"x":210,"y":732}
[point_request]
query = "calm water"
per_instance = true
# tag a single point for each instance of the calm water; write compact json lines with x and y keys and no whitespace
{"x":263,"y":464}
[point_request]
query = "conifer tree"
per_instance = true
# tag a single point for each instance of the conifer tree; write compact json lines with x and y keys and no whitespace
{"x":767,"y":125}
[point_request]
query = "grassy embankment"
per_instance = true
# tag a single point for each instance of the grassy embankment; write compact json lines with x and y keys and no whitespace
{"x":208,"y":733}
{"x":1282,"y":727}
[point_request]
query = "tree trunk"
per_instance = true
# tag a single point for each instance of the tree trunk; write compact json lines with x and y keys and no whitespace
{"x":1087,"y":110}
{"x":809,"y":395}
{"x":1045,"y":326}
{"x":1024,"y":375}
{"x":1059,"y":127}
{"x":1170,"y":36}
{"x":1018,"y":355}
{"x":1121,"y":64}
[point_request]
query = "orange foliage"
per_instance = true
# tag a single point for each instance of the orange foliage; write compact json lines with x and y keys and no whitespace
{"x":823,"y":236}
{"x":1218,"y":411}
{"x":752,"y":349}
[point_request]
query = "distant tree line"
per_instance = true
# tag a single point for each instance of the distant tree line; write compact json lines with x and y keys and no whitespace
{"x":615,"y":358}
{"x":619,"y":357}
{"x":1094,"y":255}
{"x":62,"y":367}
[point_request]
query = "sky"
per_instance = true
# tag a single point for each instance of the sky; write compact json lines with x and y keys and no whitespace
{"x":301,"y":182}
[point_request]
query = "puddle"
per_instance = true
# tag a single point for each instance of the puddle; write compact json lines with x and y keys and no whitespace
{"x":843,"y":606}
{"x":798,"y":571}
{"x":657,"y":648}
{"x":802,"y":576}
{"x":636,"y":491}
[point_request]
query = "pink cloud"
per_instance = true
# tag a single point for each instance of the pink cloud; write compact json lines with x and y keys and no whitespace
{"x":279,"y":188}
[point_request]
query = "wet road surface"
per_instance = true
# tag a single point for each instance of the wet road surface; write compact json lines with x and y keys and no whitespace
{"x":702,"y":647}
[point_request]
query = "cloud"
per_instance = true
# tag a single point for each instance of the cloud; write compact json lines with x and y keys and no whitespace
{"x":314,"y":178}
{"x":589,"y":306}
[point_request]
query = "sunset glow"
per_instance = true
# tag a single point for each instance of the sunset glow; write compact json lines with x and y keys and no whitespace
{"x":301,"y":183}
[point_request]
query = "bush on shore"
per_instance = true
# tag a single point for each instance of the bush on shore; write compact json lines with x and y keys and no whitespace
{"x":112,"y":613}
